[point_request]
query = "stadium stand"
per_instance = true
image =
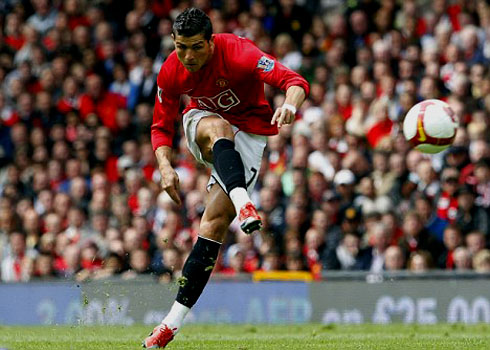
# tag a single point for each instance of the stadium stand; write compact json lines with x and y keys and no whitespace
{"x":339,"y":190}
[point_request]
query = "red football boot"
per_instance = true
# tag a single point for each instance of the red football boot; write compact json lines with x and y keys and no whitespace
{"x":250,"y":220}
{"x":159,"y":338}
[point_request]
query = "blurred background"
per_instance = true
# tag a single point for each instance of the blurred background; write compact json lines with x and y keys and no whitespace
{"x":340,"y":190}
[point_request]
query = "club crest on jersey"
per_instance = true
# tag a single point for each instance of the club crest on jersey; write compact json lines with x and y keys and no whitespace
{"x":221,"y":82}
{"x":266,"y":64}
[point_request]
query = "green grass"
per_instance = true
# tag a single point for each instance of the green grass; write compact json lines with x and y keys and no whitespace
{"x":224,"y":337}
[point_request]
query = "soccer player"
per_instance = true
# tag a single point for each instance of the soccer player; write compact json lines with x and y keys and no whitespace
{"x":226,"y":125}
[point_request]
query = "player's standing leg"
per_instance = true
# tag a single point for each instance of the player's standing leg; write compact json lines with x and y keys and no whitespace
{"x":198,"y":267}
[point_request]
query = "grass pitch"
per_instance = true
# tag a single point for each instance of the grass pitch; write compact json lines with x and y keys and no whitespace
{"x":251,"y":337}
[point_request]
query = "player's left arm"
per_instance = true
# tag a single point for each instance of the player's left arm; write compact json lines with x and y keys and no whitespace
{"x":272,"y":72}
{"x":295,"y":96}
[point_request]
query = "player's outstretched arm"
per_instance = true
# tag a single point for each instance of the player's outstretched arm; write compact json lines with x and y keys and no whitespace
{"x":170,"y":179}
{"x":295,"y":96}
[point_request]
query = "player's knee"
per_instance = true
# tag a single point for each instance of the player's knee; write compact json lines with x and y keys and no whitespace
{"x":221,"y":125}
{"x":215,"y":129}
{"x":209,"y":131}
{"x":214,"y":229}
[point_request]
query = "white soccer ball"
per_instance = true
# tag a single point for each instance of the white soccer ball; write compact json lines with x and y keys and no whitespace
{"x":430,"y":126}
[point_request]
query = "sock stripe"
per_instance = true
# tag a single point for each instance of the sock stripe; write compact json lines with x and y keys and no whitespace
{"x":209,"y":239}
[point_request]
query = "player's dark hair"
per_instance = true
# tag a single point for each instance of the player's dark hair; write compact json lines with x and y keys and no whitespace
{"x":193,"y":21}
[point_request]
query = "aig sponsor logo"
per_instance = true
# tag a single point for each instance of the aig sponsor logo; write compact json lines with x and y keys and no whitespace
{"x":223,"y":101}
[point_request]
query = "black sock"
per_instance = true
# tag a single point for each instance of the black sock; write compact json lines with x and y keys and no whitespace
{"x":228,"y":164}
{"x":196,"y":271}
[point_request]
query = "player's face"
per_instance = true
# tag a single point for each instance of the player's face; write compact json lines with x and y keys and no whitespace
{"x":193,"y":51}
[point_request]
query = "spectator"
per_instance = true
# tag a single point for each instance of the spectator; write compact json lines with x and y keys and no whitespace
{"x":452,"y":240}
{"x":350,"y":221}
{"x":32,"y":227}
{"x":366,"y":200}
{"x":482,"y":175}
{"x":427,"y":183}
{"x":346,"y":256}
{"x":295,"y":218}
{"x":320,"y":158}
{"x":447,"y":203}
{"x":285,"y":53}
{"x":145,"y":83}
{"x":313,"y":248}
{"x":432,"y":223}
{"x":291,"y":244}
{"x":68,"y":263}
{"x":294,"y":262}
{"x":462,"y":259}
{"x":481,"y":261}
{"x":103,"y":104}
{"x":271,"y":261}
{"x":172,"y":265}
{"x":475,"y":242}
{"x":76,"y":230}
{"x":344,"y":182}
{"x":112,"y":266}
{"x":478,"y":150}
{"x":139,"y":263}
{"x":236,"y":261}
{"x":457,"y":156}
{"x":44,"y":17}
{"x":380,"y":238}
{"x":394,"y":259}
{"x":420,"y":261}
{"x":471,"y":216}
{"x":90,"y":259}
{"x":316,"y":187}
{"x":43,"y":267}
{"x":417,"y":238}
{"x":391,"y":222}
{"x":12,"y":262}
{"x":291,"y":18}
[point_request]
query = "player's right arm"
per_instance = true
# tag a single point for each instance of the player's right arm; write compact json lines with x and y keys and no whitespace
{"x":170,"y":179}
{"x":162,"y":133}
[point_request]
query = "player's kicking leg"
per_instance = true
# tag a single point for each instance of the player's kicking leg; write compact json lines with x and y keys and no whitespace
{"x":215,"y":138}
{"x":198,"y":267}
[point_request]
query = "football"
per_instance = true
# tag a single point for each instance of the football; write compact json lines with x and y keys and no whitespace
{"x":430,"y":126}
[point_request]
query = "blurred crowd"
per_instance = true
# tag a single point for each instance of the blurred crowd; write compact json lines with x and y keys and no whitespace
{"x":339,"y":190}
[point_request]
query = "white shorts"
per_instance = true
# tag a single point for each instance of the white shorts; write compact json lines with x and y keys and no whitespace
{"x":250,"y":146}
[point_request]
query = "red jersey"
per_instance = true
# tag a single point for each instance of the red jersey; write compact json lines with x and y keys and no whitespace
{"x":230,"y":84}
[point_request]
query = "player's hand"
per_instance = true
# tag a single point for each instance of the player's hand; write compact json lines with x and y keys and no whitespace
{"x":170,"y":183}
{"x":282,"y":116}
